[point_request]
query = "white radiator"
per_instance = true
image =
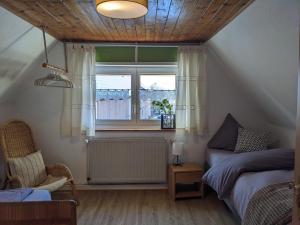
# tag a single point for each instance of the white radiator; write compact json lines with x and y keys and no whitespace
{"x":127,"y":160}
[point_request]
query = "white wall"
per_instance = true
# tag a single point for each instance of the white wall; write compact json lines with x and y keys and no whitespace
{"x":5,"y":112}
{"x":259,"y":50}
{"x":42,"y":107}
{"x":286,"y":137}
{"x":20,"y":45}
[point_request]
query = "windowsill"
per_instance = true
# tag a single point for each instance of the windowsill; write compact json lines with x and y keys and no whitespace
{"x":134,"y":129}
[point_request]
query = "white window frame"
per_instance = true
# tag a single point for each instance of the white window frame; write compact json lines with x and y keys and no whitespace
{"x":135,"y":70}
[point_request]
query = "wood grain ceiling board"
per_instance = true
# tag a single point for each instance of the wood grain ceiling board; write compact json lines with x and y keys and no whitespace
{"x":166,"y":21}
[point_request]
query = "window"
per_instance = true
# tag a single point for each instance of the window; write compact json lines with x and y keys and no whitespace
{"x":156,"y":54}
{"x":113,"y":97}
{"x":155,"y":88}
{"x":126,"y":99}
{"x":114,"y":54}
{"x":128,"y":80}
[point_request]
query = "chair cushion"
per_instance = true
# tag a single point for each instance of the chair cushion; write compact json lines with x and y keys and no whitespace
{"x":52,"y":183}
{"x":31,"y":169}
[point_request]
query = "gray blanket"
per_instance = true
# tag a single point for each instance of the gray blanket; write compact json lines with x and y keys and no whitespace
{"x":249,"y":183}
{"x":222,"y":177}
{"x":271,"y":205}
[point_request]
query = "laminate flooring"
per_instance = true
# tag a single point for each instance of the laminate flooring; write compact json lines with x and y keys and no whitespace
{"x":149,"y":207}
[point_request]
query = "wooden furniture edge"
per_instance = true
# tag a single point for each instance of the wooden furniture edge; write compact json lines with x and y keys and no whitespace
{"x":38,"y":212}
{"x":188,"y":169}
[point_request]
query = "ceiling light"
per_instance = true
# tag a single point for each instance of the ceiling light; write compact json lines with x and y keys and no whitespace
{"x":126,"y":9}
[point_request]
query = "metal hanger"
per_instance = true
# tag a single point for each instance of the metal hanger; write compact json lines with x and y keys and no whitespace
{"x":57,"y":76}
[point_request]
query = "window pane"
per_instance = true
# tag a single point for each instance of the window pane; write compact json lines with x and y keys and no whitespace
{"x":115,"y":54}
{"x":113,"y":97}
{"x":155,"y":88}
{"x":127,"y":54}
{"x":157,"y":54}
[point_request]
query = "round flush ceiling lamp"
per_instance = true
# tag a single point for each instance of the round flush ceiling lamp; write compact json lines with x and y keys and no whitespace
{"x":125,"y":9}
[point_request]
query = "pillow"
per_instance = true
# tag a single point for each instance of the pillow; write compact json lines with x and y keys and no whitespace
{"x":250,"y":141}
{"x":31,"y":169}
{"x":226,"y":136}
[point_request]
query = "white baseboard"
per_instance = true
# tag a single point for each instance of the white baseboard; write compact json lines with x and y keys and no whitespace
{"x":87,"y":187}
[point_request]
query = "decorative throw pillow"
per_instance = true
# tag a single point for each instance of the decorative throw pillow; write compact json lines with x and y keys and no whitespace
{"x":31,"y":169}
{"x":226,"y":136}
{"x":250,"y":141}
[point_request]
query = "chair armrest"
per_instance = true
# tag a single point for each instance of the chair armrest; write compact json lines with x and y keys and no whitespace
{"x":15,"y":182}
{"x":40,"y":212}
{"x":58,"y":170}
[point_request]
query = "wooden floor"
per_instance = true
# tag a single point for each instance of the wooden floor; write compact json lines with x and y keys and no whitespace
{"x":149,"y":207}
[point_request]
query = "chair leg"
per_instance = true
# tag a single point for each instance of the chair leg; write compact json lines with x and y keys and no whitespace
{"x":74,"y":192}
{"x":6,"y":184}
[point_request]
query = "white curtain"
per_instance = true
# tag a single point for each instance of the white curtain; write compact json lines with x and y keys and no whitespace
{"x":191,"y":90}
{"x":79,"y":102}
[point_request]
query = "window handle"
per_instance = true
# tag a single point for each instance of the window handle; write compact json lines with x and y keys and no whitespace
{"x":134,"y":109}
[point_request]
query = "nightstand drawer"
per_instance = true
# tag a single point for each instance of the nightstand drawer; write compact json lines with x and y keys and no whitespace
{"x":188,"y":177}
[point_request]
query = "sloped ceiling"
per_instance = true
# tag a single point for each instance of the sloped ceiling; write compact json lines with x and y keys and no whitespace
{"x":20,"y":45}
{"x":260,"y":51}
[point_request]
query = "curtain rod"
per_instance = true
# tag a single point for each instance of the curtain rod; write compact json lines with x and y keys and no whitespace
{"x":145,"y":44}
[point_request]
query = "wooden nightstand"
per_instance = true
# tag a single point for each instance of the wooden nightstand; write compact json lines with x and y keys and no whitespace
{"x":185,"y":181}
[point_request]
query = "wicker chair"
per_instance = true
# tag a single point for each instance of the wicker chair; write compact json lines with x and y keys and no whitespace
{"x":17,"y":141}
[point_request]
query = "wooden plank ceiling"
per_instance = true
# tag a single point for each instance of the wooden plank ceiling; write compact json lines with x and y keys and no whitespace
{"x":166,"y":21}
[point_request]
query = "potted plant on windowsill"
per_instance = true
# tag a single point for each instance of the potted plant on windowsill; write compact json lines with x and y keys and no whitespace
{"x":167,"y":116}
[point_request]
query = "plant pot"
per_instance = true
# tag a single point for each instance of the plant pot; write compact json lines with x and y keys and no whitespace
{"x":167,"y":121}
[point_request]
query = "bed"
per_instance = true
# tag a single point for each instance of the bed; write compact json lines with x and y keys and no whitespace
{"x":215,"y":156}
{"x":35,"y":207}
{"x":248,"y":184}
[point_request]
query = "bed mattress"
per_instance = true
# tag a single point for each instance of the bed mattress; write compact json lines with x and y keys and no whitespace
{"x":215,"y":156}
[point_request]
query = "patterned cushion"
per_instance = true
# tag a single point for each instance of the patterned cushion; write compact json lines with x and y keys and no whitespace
{"x":225,"y":138}
{"x":31,"y":169}
{"x":249,"y":141}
